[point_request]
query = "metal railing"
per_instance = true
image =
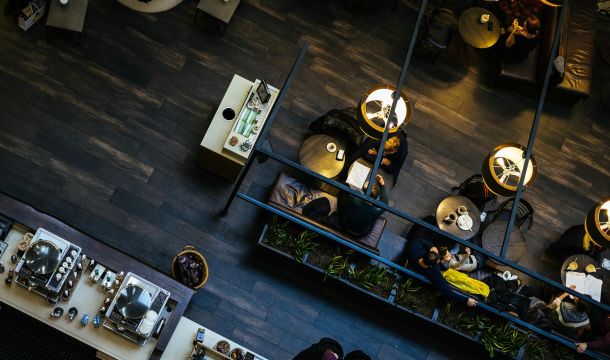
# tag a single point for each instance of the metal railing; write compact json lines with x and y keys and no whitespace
{"x":260,"y":150}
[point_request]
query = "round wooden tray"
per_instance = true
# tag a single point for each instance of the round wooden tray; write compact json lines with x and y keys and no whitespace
{"x":192,"y":251}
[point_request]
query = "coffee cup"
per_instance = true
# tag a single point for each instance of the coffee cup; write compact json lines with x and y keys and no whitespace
{"x":462,"y":210}
{"x":228,"y":114}
{"x":484,"y":18}
{"x":452,"y":217}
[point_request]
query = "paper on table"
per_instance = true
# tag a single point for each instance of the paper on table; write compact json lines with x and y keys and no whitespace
{"x":358,"y":174}
{"x":585,"y":284}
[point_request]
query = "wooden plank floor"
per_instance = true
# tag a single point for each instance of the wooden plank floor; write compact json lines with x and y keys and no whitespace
{"x":105,"y":137}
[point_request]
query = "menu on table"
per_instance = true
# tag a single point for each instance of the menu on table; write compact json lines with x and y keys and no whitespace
{"x":585,"y":284}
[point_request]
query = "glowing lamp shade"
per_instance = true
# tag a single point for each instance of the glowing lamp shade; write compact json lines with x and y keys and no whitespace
{"x":374,"y":111}
{"x":503,"y":168}
{"x":597,"y":223}
{"x":550,"y":3}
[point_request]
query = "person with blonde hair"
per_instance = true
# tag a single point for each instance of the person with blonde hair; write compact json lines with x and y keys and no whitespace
{"x":395,"y":151}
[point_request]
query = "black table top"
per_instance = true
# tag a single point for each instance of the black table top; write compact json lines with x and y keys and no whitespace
{"x":600,"y":273}
{"x":451,"y":204}
{"x":314,"y":155}
{"x":475,"y":33}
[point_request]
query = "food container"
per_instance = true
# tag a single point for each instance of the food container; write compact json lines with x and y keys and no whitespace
{"x":192,"y":253}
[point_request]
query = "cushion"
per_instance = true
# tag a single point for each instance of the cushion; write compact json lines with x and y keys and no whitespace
{"x":290,"y":195}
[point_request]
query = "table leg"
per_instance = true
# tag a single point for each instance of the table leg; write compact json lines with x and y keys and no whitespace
{"x":222,"y":26}
{"x":605,"y":95}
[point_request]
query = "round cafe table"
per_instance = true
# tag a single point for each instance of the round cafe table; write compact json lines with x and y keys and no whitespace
{"x":600,"y":273}
{"x":493,"y":237}
{"x":476,"y":34}
{"x":451,"y":204}
{"x":314,"y":155}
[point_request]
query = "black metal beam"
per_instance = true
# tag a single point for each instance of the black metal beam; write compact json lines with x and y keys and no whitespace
{"x":270,"y":119}
{"x":567,"y":342}
{"x":413,"y":219}
{"x":533,"y":131}
{"x":401,"y":80}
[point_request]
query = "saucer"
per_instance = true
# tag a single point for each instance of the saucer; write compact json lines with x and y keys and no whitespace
{"x":464,"y":222}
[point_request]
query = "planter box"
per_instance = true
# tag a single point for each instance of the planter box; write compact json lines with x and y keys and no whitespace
{"x":312,"y":271}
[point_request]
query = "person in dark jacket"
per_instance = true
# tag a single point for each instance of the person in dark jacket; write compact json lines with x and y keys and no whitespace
{"x":424,"y":258}
{"x":521,"y":40}
{"x":325,"y":349}
{"x":357,"y":216}
{"x":602,"y":343}
{"x":357,"y":355}
{"x":395,"y":152}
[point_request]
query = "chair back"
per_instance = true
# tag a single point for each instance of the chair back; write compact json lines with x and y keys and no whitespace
{"x":525,"y":212}
{"x":474,"y":189}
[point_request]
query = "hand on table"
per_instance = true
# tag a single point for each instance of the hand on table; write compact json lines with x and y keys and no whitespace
{"x":581,"y":347}
{"x":385,"y":162}
{"x":372,"y":151}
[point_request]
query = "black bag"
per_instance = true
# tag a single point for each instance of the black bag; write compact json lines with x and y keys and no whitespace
{"x":317,"y":209}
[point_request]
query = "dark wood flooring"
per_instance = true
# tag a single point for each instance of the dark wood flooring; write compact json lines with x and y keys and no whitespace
{"x":105,"y":137}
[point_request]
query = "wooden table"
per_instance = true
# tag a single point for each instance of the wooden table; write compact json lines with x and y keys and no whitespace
{"x":451,"y":204}
{"x":474,"y":32}
{"x":600,"y":273}
{"x":70,"y":17}
{"x":213,"y":155}
{"x":181,"y":344}
{"x":314,"y":155}
{"x":221,"y":10}
{"x":153,"y":6}
{"x":493,"y":236}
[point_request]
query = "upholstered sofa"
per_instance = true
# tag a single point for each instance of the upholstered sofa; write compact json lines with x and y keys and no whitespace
{"x":290,"y":195}
{"x":577,"y":46}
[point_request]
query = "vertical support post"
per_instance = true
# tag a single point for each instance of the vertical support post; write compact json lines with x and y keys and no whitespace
{"x":401,"y":80}
{"x":534,"y":130}
{"x":266,"y":126}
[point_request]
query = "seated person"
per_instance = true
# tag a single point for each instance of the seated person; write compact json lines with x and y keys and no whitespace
{"x":357,"y":216}
{"x":357,"y":355}
{"x":521,"y":40}
{"x":567,"y":318}
{"x":602,"y":343}
{"x":435,"y":238}
{"x":573,"y":241}
{"x":465,"y":262}
{"x":424,"y":258}
{"x":395,"y":152}
{"x":325,"y":349}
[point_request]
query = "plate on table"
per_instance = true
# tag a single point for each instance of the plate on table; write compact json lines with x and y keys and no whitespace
{"x":464,"y":222}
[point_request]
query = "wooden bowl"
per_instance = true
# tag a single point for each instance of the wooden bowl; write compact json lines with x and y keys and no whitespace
{"x":190,"y":250}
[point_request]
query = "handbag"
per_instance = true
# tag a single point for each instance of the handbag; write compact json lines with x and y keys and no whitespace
{"x":465,"y":283}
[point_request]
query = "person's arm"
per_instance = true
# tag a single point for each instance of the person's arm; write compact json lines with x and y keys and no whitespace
{"x":600,"y":344}
{"x":510,"y":40}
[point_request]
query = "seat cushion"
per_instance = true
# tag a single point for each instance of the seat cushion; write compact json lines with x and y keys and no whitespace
{"x":524,"y":71}
{"x":290,"y":195}
{"x":579,"y":48}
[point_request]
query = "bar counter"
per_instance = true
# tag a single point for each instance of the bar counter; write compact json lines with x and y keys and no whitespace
{"x":86,"y":296}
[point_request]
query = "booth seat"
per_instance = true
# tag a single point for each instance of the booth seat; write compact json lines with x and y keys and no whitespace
{"x":577,"y":46}
{"x":290,"y":195}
